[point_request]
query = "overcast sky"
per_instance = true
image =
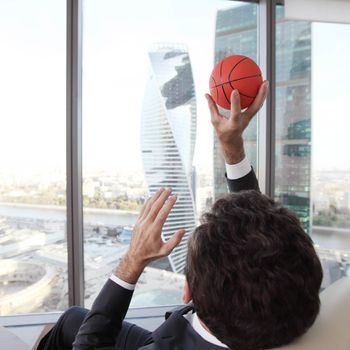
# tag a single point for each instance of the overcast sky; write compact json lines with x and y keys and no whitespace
{"x":116,"y":38}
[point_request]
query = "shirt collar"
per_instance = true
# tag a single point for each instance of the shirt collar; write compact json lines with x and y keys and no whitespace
{"x":194,"y":321}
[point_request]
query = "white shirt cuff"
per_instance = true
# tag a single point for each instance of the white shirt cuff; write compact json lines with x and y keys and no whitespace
{"x":122,"y":283}
{"x":236,"y":171}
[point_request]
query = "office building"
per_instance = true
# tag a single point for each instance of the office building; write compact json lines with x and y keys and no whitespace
{"x":235,"y":33}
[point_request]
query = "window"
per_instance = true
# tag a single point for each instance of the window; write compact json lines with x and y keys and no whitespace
{"x":145,"y":122}
{"x":33,"y":251}
{"x":146,"y":125}
{"x":312,"y":169}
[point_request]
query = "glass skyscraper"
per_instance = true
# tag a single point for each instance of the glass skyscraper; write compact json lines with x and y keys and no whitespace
{"x":168,"y":134}
{"x":293,"y":116}
{"x":236,"y":33}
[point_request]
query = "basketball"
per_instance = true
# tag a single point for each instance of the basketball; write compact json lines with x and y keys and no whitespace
{"x":235,"y":72}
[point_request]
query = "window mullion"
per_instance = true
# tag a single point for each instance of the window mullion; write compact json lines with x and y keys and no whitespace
{"x":266,"y":121}
{"x":74,"y":153}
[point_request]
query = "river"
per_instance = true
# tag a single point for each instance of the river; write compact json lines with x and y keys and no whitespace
{"x":326,"y":237}
{"x":58,"y":213}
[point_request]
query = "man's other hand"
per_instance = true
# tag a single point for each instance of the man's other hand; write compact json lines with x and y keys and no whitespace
{"x":230,"y":130}
{"x":147,"y":243}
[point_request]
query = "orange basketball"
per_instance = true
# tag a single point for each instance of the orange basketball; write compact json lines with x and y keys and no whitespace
{"x":235,"y":72}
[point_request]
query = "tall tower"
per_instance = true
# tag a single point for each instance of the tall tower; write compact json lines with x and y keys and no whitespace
{"x":235,"y":33}
{"x":168,"y":135}
{"x":293,"y":115}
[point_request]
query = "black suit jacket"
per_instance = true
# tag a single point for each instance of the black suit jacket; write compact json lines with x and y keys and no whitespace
{"x":103,"y":323}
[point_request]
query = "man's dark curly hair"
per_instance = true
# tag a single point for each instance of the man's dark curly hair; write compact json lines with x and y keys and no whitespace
{"x":253,"y":273}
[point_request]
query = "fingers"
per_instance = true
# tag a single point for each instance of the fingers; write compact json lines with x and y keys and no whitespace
{"x":214,"y":112}
{"x":148,"y":205}
{"x":158,"y":204}
{"x":175,"y":240}
{"x":258,"y":101}
{"x":165,"y":210}
{"x":235,"y":105}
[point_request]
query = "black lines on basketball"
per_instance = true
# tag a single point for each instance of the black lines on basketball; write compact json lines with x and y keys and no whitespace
{"x":236,"y":72}
{"x":246,"y":95}
{"x":243,"y":59}
{"x":250,"y":76}
{"x":234,"y":80}
{"x":223,"y":90}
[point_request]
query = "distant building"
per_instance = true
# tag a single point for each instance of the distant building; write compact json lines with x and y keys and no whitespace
{"x":168,"y":133}
{"x":293,"y":116}
{"x":236,"y":33}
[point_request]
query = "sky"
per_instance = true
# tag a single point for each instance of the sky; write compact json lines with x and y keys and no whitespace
{"x":117,"y":36}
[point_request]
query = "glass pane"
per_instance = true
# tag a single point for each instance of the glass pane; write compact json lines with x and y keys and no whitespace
{"x":312,"y":173}
{"x":146,"y":124}
{"x":33,"y":257}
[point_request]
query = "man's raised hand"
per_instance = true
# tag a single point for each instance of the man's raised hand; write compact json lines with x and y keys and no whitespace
{"x":230,"y":130}
{"x":147,"y":243}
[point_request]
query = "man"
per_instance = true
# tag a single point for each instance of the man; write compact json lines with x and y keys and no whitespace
{"x":252,"y":274}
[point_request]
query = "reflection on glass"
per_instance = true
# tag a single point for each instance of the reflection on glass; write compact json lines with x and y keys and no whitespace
{"x":312,"y":175}
{"x":235,"y":34}
{"x":33,"y":250}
